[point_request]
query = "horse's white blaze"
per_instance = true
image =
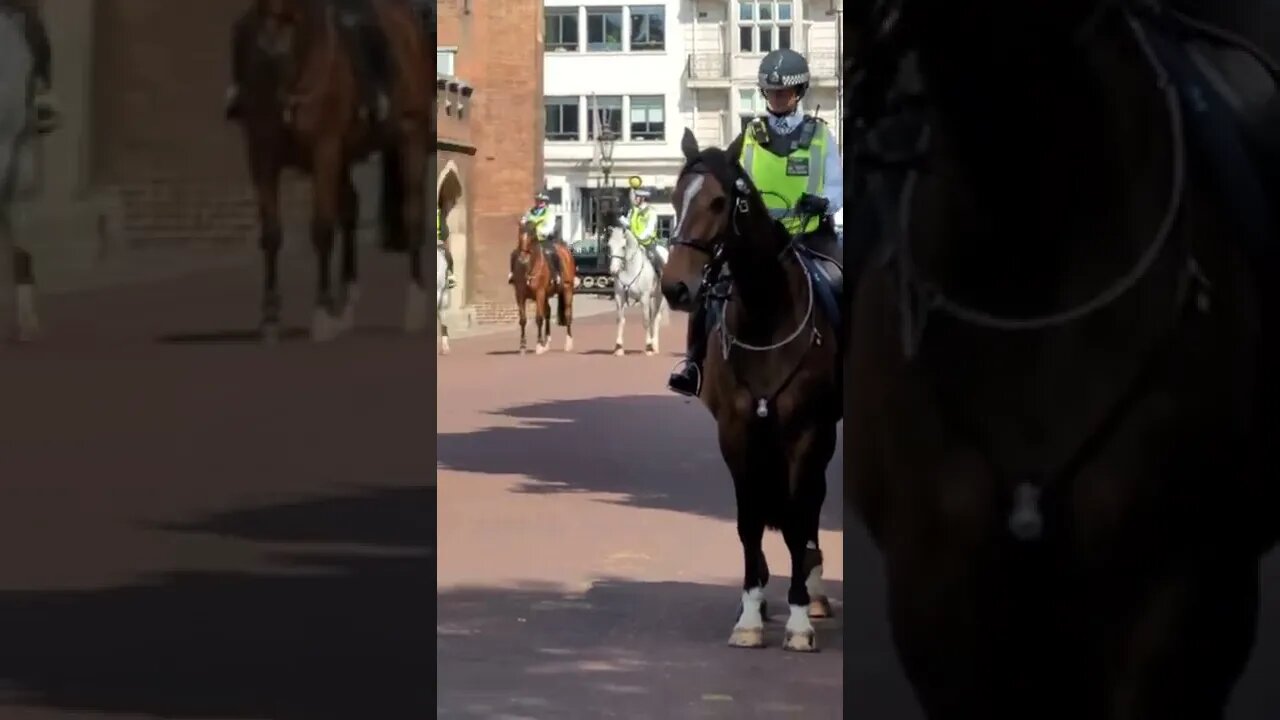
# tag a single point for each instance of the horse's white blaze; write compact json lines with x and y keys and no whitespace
{"x":695,"y":185}
{"x":752,"y":602}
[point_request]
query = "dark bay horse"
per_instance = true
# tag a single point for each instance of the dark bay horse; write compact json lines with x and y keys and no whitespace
{"x":1057,"y":421}
{"x":533,"y":281}
{"x":771,"y":377}
{"x":299,"y":110}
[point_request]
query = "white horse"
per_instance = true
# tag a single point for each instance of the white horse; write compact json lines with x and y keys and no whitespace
{"x":635,"y":280}
{"x":17,"y":304}
{"x":442,"y":297}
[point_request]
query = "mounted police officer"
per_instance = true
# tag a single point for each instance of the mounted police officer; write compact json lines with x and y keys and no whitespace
{"x":32,"y":21}
{"x":794,"y":161}
{"x":544,"y":226}
{"x":642,"y":221}
{"x":370,"y":56}
{"x":450,"y":283}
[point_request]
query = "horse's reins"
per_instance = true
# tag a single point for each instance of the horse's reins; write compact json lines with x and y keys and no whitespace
{"x":714,"y":249}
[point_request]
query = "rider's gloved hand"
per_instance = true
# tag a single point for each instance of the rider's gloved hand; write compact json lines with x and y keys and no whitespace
{"x":812,"y":205}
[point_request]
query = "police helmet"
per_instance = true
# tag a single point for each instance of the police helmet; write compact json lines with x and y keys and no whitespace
{"x":784,"y":68}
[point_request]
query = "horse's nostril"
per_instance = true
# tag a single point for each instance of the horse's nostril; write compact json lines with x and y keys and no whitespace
{"x":682,"y":293}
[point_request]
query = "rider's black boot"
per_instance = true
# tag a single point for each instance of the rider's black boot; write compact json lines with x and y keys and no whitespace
{"x":687,"y":378}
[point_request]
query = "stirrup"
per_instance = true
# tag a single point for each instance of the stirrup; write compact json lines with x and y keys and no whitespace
{"x":697,"y":378}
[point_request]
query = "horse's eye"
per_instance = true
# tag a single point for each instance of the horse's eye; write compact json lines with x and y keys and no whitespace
{"x":718,"y":204}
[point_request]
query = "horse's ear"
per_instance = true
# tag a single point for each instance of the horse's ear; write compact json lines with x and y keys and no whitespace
{"x":689,"y":145}
{"x":734,"y":151}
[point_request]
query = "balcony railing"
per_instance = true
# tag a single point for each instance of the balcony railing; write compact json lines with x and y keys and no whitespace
{"x":823,"y":65}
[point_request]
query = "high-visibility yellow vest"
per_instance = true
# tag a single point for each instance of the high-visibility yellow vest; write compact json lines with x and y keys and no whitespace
{"x":639,"y":223}
{"x":782,"y":179}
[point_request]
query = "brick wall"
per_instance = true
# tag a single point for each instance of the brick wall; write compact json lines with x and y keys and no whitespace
{"x":160,"y":148}
{"x":500,"y":53}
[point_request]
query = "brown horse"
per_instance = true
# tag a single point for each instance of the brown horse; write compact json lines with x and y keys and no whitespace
{"x":1064,"y":468}
{"x":772,"y":377}
{"x":299,"y":109}
{"x":532,"y":280}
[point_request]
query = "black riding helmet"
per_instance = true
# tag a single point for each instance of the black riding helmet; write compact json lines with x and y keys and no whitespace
{"x":784,"y":68}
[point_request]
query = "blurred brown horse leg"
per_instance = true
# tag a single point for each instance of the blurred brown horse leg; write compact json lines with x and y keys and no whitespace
{"x":329,"y":171}
{"x":568,"y":278}
{"x":349,"y":212}
{"x":266,"y":181}
{"x":24,"y":279}
{"x":413,"y":165}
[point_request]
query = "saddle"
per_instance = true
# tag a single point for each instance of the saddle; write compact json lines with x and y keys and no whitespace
{"x":655,"y":259}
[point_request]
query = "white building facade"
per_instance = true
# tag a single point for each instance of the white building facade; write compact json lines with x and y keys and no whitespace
{"x":653,"y":70}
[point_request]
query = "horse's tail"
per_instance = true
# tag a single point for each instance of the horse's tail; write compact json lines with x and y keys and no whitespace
{"x":561,"y":301}
{"x":395,"y":238}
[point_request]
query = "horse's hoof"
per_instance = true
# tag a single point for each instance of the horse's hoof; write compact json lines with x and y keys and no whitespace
{"x":568,"y":344}
{"x":270,"y":334}
{"x":649,"y":351}
{"x":752,"y":638}
{"x":618,"y":351}
{"x":444,"y":346}
{"x":804,"y":641}
{"x":820,"y":607}
{"x":524,"y":351}
{"x":539,"y":349}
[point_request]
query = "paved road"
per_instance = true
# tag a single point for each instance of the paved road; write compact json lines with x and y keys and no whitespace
{"x":588,"y":559}
{"x":192,"y":526}
{"x":589,"y":565}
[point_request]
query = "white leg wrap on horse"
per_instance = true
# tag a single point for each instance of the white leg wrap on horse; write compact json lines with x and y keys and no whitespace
{"x":752,"y":600}
{"x":813,"y":583}
{"x":798,"y":621}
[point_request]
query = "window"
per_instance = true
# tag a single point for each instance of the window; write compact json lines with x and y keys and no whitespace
{"x":561,"y":29}
{"x":562,"y":118}
{"x":751,"y":105}
{"x":445,"y":58}
{"x":648,"y":118}
{"x":604,"y":30}
{"x":648,"y":27}
{"x":764,"y":25}
{"x":610,"y":107}
{"x":666,"y":223}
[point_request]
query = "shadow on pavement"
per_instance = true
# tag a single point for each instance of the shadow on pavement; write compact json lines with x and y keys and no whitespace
{"x":659,"y":452}
{"x":322,"y":634}
{"x":626,"y":649}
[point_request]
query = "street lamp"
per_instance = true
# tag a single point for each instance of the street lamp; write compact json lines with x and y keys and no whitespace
{"x":606,"y":140}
